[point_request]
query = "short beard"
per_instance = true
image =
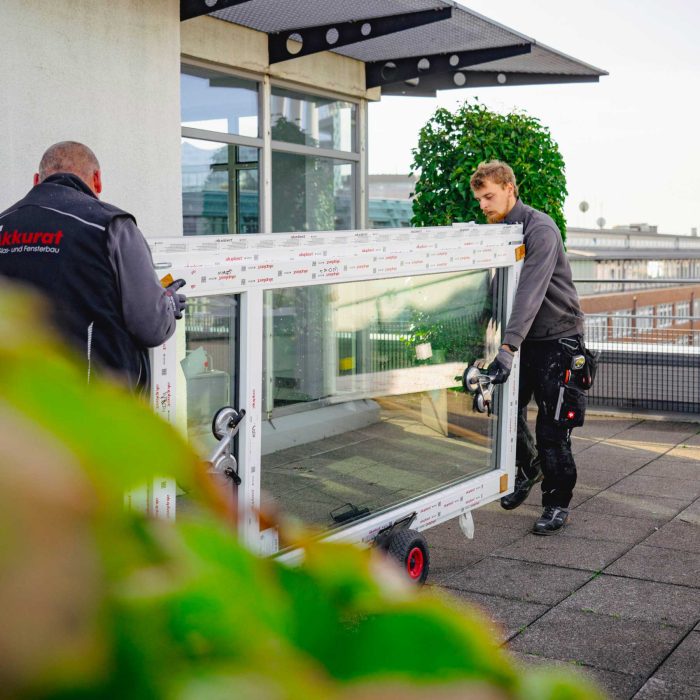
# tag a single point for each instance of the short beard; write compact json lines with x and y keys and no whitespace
{"x":496,"y":218}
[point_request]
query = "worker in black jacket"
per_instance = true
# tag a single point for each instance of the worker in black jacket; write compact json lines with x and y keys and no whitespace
{"x":546,"y":326}
{"x":92,"y":263}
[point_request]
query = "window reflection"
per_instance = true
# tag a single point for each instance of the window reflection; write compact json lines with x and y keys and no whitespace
{"x":312,"y":120}
{"x":210,"y":362}
{"x":361,"y":395}
{"x":218,"y":102}
{"x":311,"y":194}
{"x":220,"y":188}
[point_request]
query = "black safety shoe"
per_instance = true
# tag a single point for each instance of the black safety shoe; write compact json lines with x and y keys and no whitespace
{"x":523,"y":485}
{"x":551,"y":521}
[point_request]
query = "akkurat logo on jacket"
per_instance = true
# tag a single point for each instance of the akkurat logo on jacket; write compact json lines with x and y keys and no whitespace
{"x":30,"y":241}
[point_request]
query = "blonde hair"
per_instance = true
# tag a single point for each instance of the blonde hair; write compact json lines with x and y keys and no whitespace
{"x":495,"y":170}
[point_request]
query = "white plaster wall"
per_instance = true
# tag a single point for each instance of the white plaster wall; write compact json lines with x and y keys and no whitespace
{"x":104,"y":72}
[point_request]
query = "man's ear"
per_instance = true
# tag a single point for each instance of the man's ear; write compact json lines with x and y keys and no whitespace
{"x":96,"y":182}
{"x":36,"y":179}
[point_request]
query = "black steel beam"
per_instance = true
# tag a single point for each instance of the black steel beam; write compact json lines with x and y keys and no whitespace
{"x":330,"y":36}
{"x":196,"y":8}
{"x":400,"y":69}
{"x":426,"y":87}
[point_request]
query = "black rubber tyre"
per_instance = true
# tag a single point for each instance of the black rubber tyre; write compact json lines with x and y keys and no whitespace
{"x":410,"y":549}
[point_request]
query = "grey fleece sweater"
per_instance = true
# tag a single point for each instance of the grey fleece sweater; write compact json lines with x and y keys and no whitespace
{"x":546,"y":304}
{"x":148,"y":315}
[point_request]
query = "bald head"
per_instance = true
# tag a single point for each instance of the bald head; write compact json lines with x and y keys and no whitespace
{"x":71,"y":157}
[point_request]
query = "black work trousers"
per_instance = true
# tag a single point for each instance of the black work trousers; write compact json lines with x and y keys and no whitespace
{"x":542,"y":365}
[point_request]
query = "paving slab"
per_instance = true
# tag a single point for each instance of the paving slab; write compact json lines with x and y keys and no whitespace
{"x":446,"y":563}
{"x":629,"y":506}
{"x":657,"y":689}
{"x":613,"y":528}
{"x":633,"y":599}
{"x":664,"y":432}
{"x":486,"y":539}
{"x":616,"y":685}
{"x":571,"y":552}
{"x":609,"y":643}
{"x":508,"y":617}
{"x":694,"y":440}
{"x":642,"y":485}
{"x":582,"y":493}
{"x":659,"y":564}
{"x":691,"y":514}
{"x":617,"y":458}
{"x":683,"y":665}
{"x":596,"y":478}
{"x":520,"y":519}
{"x":601,"y":427}
{"x":520,"y":580}
{"x":672,"y":466}
{"x":677,"y":534}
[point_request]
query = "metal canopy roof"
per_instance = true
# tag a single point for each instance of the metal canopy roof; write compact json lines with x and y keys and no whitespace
{"x":403,"y":29}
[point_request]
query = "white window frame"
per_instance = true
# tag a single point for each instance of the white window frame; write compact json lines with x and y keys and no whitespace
{"x":200,"y":259}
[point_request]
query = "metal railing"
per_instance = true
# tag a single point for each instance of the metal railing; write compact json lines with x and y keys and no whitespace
{"x":648,"y":361}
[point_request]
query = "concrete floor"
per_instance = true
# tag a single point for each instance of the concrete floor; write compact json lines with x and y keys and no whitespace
{"x":616,"y":595}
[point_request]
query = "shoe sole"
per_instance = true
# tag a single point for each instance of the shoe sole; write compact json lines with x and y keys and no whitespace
{"x":546,"y":533}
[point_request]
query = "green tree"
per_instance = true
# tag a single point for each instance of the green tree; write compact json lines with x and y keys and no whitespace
{"x":451,"y":146}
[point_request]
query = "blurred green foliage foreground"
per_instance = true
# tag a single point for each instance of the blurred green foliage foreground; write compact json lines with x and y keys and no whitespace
{"x":97,"y":602}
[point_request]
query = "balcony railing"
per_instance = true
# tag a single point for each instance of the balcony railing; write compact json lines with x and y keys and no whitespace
{"x":650,"y":357}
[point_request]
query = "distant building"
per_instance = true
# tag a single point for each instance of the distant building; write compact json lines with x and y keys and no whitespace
{"x":622,"y":310}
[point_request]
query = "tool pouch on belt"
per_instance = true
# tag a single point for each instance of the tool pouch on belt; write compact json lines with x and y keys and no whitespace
{"x":570,"y":409}
{"x":582,"y":364}
{"x":578,"y":373}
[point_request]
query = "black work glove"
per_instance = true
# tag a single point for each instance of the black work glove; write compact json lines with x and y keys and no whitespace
{"x":500,"y":368}
{"x":177,"y":301}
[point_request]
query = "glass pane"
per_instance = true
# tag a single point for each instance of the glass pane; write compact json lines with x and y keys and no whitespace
{"x":312,"y":121}
{"x":361,"y":393}
{"x":312,"y":194}
{"x":218,"y":102}
{"x":220,"y":188}
{"x":210,"y":363}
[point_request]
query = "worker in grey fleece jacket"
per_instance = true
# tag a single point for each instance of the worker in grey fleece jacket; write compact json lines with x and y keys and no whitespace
{"x":546,"y":327}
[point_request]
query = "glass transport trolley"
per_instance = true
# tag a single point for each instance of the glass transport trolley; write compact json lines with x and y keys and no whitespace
{"x":346,"y":350}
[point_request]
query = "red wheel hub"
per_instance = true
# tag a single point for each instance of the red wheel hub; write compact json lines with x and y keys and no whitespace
{"x":415,"y":563}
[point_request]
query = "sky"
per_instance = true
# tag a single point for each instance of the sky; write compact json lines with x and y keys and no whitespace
{"x":631,"y":142}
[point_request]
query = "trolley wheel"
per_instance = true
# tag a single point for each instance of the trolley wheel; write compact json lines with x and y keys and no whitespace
{"x":410,"y":549}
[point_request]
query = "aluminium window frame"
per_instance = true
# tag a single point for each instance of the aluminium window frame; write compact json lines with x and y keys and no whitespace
{"x":266,"y":145}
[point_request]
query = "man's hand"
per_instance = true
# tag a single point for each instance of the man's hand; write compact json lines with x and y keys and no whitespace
{"x":177,"y":301}
{"x":500,"y":368}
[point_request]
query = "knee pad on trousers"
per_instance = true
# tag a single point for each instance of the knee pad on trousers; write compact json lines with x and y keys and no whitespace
{"x":557,"y":459}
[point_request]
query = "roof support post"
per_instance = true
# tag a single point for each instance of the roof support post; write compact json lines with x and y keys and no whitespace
{"x":308,"y":40}
{"x":195,"y":8}
{"x":400,"y":69}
